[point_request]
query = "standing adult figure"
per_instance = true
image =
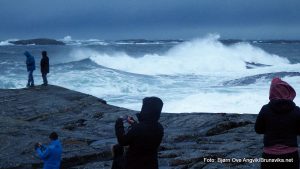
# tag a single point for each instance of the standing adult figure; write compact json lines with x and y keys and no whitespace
{"x":44,"y":67}
{"x":279,"y":121}
{"x":30,"y":64}
{"x":144,"y":137}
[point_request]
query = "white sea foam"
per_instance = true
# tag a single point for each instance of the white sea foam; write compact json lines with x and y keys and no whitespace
{"x":218,"y":102}
{"x":67,"y":38}
{"x":179,"y":93}
{"x":247,"y":99}
{"x":69,"y":41}
{"x":195,"y":67}
{"x":199,"y":56}
{"x":7,"y":42}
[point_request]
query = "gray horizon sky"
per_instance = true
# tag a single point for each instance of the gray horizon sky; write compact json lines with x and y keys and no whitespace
{"x":150,"y":19}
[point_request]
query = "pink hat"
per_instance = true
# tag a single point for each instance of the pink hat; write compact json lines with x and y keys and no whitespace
{"x":281,"y":90}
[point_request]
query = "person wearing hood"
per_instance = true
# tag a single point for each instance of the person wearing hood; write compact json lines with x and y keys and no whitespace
{"x":51,"y":154}
{"x":143,"y":138}
{"x":44,"y":67}
{"x":30,"y":63}
{"x":279,"y":121}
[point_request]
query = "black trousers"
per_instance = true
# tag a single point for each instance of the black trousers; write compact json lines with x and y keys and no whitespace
{"x":281,"y":165}
{"x":44,"y":76}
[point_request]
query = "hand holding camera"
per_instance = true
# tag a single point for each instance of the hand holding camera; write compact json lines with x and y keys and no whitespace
{"x":128,"y":119}
{"x":37,"y":145}
{"x":131,"y":120}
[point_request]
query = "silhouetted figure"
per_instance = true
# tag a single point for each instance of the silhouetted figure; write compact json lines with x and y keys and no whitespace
{"x":279,"y":121}
{"x":143,"y":138}
{"x":30,"y":63}
{"x":44,"y":67}
{"x":118,"y":157}
{"x":51,"y":154}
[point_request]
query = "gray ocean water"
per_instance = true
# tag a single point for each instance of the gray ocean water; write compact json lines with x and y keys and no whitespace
{"x":199,"y":75}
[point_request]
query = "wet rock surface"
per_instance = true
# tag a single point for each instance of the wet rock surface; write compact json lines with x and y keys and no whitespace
{"x":85,"y":125}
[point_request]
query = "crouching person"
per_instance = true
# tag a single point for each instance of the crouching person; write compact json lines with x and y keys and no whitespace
{"x":51,"y":154}
{"x":279,"y":121}
{"x":143,"y":138}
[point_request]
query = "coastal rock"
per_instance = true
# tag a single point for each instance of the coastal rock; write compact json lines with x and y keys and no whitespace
{"x":85,"y":125}
{"x":40,"y":41}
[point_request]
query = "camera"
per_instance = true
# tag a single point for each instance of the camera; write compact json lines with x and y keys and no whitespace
{"x":125,"y":118}
{"x":37,"y":145}
{"x":128,"y":119}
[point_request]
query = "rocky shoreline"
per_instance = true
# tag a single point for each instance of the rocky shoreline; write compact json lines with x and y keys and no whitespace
{"x":85,"y":125}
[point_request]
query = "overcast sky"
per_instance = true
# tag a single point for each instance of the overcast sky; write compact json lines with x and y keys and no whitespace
{"x":150,"y":19}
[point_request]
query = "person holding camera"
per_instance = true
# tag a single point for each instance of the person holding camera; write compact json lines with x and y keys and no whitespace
{"x":279,"y":121}
{"x":143,"y":137}
{"x":51,"y":154}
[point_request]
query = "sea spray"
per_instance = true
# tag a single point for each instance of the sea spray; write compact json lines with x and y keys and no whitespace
{"x":199,"y":56}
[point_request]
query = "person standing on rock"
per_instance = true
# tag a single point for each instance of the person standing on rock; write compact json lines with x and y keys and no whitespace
{"x":51,"y":154}
{"x":30,"y":63}
{"x":44,"y":67}
{"x":279,"y":121}
{"x":144,"y":137}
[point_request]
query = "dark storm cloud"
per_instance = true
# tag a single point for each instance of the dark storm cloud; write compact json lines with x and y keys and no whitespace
{"x":117,"y":19}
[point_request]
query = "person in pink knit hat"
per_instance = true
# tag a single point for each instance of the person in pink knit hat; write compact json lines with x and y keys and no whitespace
{"x":279,"y":121}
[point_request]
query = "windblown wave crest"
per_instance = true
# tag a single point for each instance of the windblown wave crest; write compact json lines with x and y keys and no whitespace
{"x":198,"y":56}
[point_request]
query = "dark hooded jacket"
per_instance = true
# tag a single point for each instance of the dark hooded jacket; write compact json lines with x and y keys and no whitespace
{"x":279,"y":121}
{"x":45,"y":65}
{"x":144,"y":137}
{"x":30,"y":62}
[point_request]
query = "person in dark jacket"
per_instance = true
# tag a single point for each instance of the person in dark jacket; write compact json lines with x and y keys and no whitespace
{"x":279,"y":121}
{"x":118,"y":157}
{"x":30,"y":63}
{"x":44,"y":67}
{"x":144,"y":137}
{"x":51,"y":154}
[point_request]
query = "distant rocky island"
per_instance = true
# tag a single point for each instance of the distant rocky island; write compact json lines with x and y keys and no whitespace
{"x":39,"y":41}
{"x":85,"y":125}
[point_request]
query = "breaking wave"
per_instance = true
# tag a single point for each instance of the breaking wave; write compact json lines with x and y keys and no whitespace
{"x":198,"y":56}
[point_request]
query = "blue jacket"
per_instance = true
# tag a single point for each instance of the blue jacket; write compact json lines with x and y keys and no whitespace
{"x":51,"y":155}
{"x":30,"y":62}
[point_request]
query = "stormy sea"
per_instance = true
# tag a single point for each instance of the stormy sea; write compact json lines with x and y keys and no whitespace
{"x":206,"y":74}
